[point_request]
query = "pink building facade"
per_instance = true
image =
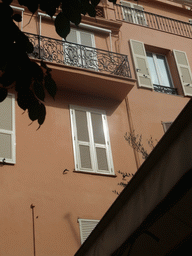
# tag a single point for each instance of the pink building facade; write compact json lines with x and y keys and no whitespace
{"x":126,"y":71}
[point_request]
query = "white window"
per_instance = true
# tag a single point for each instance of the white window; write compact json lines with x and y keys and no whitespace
{"x":159,"y":70}
{"x":7,"y":130}
{"x":133,"y":13}
{"x":86,"y":227}
{"x":92,"y":150}
{"x":79,"y":52}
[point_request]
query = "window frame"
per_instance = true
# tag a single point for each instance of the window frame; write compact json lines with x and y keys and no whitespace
{"x":158,"y":72}
{"x":12,"y":133}
{"x":93,"y":146}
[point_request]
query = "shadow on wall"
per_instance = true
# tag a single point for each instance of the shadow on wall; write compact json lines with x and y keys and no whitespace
{"x":73,"y":231}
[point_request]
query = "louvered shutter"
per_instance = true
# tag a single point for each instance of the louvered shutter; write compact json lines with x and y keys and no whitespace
{"x":139,"y":14}
{"x":86,"y":227}
{"x":83,"y":140}
{"x":100,"y":142}
{"x":184,"y":71}
{"x":127,"y":12}
{"x":7,"y":130}
{"x":72,"y":36}
{"x":141,"y":64}
{"x":89,"y":55}
{"x":92,"y":150}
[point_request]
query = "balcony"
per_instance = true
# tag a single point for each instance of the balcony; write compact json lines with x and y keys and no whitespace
{"x":153,"y":21}
{"x":165,"y":89}
{"x":108,"y":73}
{"x":66,"y":53}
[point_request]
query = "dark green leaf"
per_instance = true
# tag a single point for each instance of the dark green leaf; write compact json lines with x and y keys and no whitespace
{"x":95,"y":2}
{"x":50,"y":86}
{"x":23,"y":99}
{"x":33,"y":108}
{"x":32,"y":5}
{"x":62,"y":25}
{"x":3,"y":94}
{"x":72,"y":10}
{"x":7,"y":1}
{"x":42,"y":114}
{"x":91,"y":10}
{"x":17,"y":17}
{"x":36,"y":71}
{"x":43,"y":64}
{"x":113,"y":1}
{"x":39,"y":90}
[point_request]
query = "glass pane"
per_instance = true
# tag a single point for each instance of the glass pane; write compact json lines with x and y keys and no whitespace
{"x":6,"y":114}
{"x":5,"y":145}
{"x":163,"y":71}
{"x":152,"y":69}
{"x":85,"y":156}
{"x":102,"y":159}
{"x":81,"y":123}
{"x":97,"y":124}
{"x":86,"y":39}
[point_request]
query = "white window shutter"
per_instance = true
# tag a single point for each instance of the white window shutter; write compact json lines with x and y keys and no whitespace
{"x":127,"y":12}
{"x":91,"y":144}
{"x":7,"y":130}
{"x":100,"y":142}
{"x":86,"y":227}
{"x":72,"y":36}
{"x":141,"y":64}
{"x":82,"y":140}
{"x":86,"y":39}
{"x":184,"y":71}
{"x":139,"y":15}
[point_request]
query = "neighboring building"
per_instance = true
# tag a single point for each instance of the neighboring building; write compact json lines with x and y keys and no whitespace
{"x":127,"y":70}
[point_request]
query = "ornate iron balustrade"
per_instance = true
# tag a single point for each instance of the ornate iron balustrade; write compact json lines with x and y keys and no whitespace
{"x":164,"y":89}
{"x":63,"y":52}
{"x":154,"y":21}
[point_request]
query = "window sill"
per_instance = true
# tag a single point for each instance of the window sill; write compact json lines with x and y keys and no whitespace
{"x":96,"y":173}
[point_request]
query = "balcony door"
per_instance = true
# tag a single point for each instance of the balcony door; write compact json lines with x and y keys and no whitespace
{"x":79,"y":50}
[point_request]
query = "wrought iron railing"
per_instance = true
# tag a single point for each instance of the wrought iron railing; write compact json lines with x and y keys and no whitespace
{"x":154,"y":21}
{"x":165,"y":89}
{"x":63,"y":52}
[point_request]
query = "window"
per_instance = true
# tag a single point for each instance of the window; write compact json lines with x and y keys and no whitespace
{"x":7,"y":130}
{"x":166,"y":125}
{"x":133,"y":13}
{"x":159,"y":71}
{"x":153,"y":72}
{"x":86,"y":227}
{"x":79,"y":52}
{"x":92,"y":151}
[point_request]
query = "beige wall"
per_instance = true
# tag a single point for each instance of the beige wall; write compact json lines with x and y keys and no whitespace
{"x":41,"y":156}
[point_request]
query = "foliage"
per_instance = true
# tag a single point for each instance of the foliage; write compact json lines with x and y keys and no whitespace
{"x":17,"y":71}
{"x":135,"y":141}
